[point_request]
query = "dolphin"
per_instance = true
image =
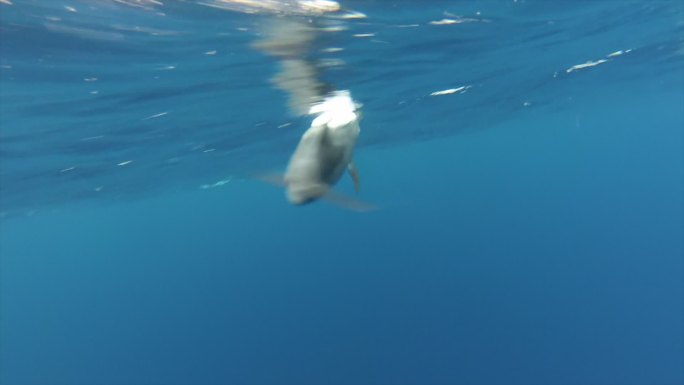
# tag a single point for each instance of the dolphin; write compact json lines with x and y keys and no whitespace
{"x":325,"y":152}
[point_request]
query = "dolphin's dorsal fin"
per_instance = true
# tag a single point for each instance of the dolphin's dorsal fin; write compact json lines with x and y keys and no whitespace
{"x":354,"y":173}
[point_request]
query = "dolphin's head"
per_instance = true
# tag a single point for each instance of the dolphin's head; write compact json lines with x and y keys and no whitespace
{"x":303,"y":193}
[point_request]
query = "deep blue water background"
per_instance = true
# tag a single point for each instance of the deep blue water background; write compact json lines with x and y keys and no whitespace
{"x":529,"y":231}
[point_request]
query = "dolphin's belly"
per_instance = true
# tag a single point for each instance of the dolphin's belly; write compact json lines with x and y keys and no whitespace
{"x":316,"y":162}
{"x":303,"y":175}
{"x":333,"y":161}
{"x":304,"y":163}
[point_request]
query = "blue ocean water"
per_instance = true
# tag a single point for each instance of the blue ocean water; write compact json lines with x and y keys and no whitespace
{"x":526,"y":159}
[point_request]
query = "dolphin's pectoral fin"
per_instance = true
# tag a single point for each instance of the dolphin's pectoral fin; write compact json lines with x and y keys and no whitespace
{"x":272,"y":179}
{"x":347,"y":202}
{"x":354,"y":173}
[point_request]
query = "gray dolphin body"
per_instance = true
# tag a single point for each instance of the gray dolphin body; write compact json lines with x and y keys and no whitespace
{"x":324,"y":152}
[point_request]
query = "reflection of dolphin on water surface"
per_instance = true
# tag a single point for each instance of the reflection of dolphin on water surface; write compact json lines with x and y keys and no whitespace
{"x":278,"y":7}
{"x":325,"y":150}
